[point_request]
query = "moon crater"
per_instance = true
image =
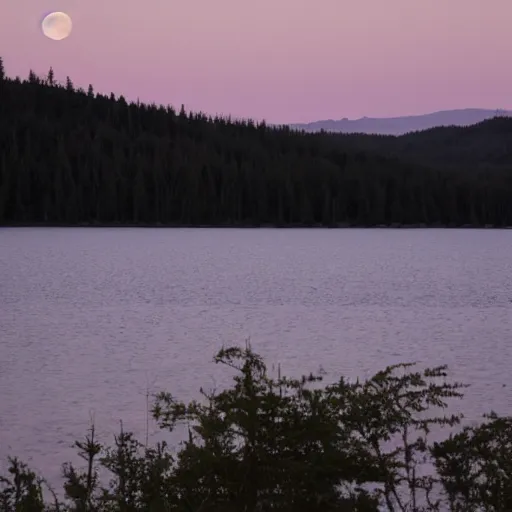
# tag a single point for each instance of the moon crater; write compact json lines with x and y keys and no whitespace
{"x":57,"y":25}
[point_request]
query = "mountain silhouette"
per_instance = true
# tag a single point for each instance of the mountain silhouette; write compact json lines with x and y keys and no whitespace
{"x":403,"y":125}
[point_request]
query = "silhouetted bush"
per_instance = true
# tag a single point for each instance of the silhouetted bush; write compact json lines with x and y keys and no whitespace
{"x":282,"y":444}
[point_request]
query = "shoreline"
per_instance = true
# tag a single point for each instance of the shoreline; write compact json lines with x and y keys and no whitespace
{"x":252,"y":226}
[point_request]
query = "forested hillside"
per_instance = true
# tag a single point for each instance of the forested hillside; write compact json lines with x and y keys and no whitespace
{"x":75,"y":157}
{"x":487,"y":145}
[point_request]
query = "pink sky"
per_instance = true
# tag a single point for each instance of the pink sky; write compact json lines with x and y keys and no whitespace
{"x":281,"y":60}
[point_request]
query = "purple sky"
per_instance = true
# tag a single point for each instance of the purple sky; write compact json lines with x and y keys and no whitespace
{"x":280,"y":60}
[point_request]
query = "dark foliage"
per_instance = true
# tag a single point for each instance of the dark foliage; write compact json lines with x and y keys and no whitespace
{"x":287,"y":445}
{"x":73,"y":157}
{"x":484,"y":146}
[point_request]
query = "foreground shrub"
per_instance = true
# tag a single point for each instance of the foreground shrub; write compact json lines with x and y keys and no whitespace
{"x":282,"y":444}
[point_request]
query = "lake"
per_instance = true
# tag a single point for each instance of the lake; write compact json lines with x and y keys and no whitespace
{"x":92,"y":319}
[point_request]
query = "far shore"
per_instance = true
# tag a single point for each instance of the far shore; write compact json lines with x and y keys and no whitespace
{"x":252,"y":226}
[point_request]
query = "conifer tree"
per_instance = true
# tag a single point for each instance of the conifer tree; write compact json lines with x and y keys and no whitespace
{"x":51,"y":77}
{"x":32,"y":77}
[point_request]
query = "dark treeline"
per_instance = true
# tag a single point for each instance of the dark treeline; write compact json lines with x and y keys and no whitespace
{"x":70,"y":156}
{"x":487,"y":145}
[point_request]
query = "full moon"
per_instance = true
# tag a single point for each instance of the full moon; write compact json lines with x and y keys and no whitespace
{"x":57,"y":25}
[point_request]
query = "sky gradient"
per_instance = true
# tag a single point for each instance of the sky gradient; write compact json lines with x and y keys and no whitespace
{"x":284,"y":61}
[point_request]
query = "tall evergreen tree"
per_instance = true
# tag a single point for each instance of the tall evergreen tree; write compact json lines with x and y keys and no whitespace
{"x":32,"y":77}
{"x":51,"y":77}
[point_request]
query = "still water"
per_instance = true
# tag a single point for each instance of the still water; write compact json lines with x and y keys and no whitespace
{"x":91,"y":320}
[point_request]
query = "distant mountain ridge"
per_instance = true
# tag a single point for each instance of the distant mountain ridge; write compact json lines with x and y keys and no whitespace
{"x":405,"y":124}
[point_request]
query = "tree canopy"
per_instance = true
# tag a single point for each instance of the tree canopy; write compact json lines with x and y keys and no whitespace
{"x":70,"y":156}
